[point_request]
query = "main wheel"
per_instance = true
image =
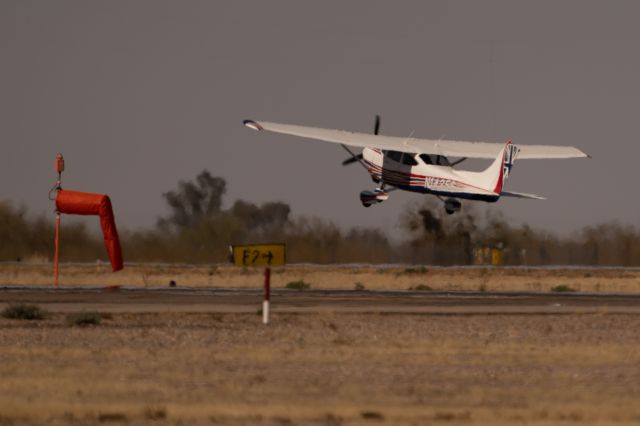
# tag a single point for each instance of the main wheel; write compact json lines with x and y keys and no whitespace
{"x":451,"y":205}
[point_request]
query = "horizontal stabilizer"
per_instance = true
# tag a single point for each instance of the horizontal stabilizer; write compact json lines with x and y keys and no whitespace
{"x":521,"y":195}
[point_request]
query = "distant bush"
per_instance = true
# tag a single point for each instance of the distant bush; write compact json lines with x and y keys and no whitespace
{"x":372,"y":415}
{"x":26,"y":237}
{"x":420,"y":270}
{"x":421,"y":287}
{"x":24,"y":312}
{"x":155,"y":413}
{"x":298,"y":285}
{"x":197,"y":229}
{"x":562,"y":289}
{"x":112,"y":417}
{"x":358,"y":286}
{"x":84,"y":318}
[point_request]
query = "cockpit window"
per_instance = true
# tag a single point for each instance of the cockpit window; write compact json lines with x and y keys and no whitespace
{"x":409,"y":160}
{"x":394,"y":155}
{"x":442,"y":161}
{"x":437,"y":160}
{"x":427,"y":158}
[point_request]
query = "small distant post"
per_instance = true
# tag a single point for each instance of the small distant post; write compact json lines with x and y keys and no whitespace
{"x":266,"y":255}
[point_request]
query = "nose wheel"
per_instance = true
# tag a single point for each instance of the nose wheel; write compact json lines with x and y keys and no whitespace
{"x":378,"y":195}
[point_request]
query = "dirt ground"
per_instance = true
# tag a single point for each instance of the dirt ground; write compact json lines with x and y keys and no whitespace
{"x":546,"y":360}
{"x":330,"y":277}
{"x":322,"y":369}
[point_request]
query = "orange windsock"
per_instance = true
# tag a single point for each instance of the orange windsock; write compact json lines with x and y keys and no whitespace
{"x":85,"y":203}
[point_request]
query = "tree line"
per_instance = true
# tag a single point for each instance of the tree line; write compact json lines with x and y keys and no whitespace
{"x":198,"y":229}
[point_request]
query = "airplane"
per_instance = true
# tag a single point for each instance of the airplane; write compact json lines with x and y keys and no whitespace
{"x":425,"y":166}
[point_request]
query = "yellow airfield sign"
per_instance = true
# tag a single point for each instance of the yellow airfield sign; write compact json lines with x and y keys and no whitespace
{"x":258,"y":255}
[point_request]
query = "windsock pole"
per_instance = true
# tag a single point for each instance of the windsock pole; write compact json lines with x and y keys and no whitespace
{"x":58,"y":187}
{"x":57,"y":253}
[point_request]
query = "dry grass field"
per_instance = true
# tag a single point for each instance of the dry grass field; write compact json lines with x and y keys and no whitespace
{"x":322,"y":369}
{"x":330,"y":277}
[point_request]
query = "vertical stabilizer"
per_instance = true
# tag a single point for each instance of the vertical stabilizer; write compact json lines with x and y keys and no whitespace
{"x":494,"y":176}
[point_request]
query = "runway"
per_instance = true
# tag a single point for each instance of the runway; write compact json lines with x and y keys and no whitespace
{"x":227,"y":300}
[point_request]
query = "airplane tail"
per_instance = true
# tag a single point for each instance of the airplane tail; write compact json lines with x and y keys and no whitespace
{"x":494,"y":176}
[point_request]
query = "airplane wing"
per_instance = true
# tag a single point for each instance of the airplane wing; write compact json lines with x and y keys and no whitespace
{"x":413,"y":145}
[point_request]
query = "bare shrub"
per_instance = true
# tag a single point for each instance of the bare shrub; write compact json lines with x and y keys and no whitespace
{"x":84,"y":319}
{"x":298,"y":285}
{"x":24,"y":311}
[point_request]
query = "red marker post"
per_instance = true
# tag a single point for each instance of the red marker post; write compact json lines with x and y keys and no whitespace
{"x":266,"y":255}
{"x":267,"y":295}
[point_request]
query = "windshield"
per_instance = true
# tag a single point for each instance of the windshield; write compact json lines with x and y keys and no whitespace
{"x":394,"y":155}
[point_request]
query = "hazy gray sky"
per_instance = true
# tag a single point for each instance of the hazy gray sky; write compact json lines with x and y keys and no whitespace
{"x":140,"y":94}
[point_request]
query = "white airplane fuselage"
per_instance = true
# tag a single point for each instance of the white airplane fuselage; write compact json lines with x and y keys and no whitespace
{"x":422,"y":166}
{"x":431,"y":174}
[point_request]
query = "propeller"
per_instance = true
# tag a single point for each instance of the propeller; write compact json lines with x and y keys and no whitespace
{"x":354,"y":158}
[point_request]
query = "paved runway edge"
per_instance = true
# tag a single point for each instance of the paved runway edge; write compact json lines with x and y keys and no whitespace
{"x":228,"y":300}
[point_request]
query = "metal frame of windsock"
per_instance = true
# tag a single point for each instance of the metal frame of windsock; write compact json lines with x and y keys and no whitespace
{"x":85,"y":203}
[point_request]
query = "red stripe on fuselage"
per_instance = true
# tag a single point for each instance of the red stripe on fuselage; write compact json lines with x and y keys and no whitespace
{"x":387,"y":176}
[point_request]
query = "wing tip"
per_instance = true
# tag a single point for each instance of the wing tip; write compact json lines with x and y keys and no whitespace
{"x":581,"y":153}
{"x":252,"y":125}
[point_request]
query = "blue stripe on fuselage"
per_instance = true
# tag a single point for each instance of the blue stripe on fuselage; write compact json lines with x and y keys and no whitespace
{"x":402,"y":180}
{"x":462,"y":195}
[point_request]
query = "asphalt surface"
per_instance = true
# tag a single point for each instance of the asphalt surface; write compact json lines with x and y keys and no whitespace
{"x":150,"y":300}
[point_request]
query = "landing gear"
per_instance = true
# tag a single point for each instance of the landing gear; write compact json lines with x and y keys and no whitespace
{"x":378,"y":195}
{"x":452,"y":205}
